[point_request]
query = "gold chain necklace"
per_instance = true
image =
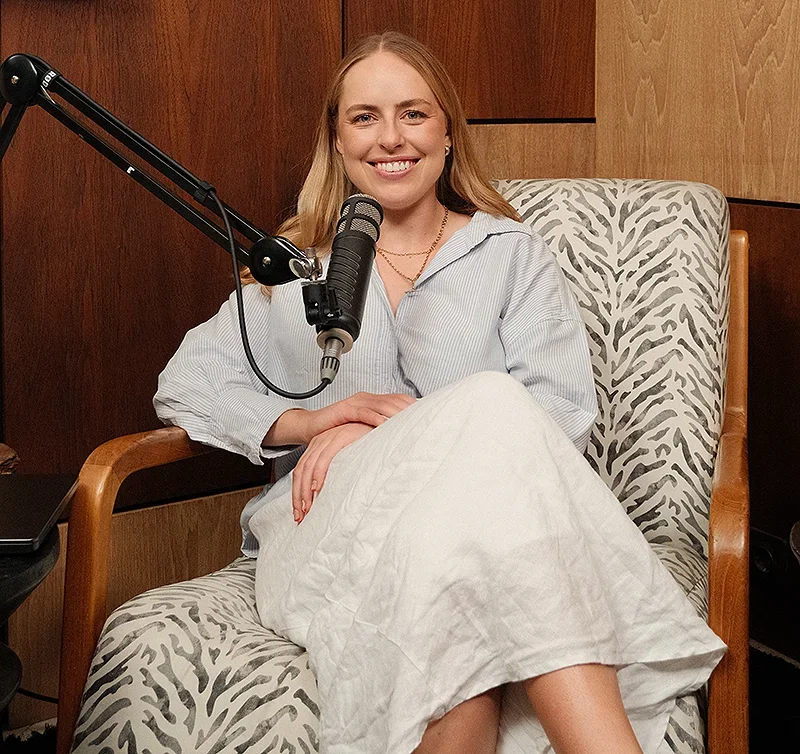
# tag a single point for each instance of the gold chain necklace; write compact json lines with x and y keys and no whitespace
{"x":427,"y":253}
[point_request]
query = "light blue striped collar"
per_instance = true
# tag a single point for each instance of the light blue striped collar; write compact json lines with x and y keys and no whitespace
{"x":480,"y":227}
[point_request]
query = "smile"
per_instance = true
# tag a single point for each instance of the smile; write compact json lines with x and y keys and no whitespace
{"x":396,"y":166}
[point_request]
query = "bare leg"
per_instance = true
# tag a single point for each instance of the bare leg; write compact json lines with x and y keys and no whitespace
{"x":469,"y":728}
{"x":580,"y":709}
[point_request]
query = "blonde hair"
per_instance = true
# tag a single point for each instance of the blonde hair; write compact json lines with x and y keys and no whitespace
{"x":462,"y":187}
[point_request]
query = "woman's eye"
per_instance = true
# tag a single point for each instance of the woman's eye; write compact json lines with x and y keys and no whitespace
{"x":362,"y":118}
{"x":415,"y":115}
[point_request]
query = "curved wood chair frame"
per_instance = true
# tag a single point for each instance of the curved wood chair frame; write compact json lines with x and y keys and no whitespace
{"x":107,"y":467}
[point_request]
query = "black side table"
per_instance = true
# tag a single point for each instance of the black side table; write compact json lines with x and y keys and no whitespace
{"x":29,"y":508}
{"x":20,"y":574}
{"x":10,"y":675}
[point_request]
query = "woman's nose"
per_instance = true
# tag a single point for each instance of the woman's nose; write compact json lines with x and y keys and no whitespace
{"x":391,"y":136}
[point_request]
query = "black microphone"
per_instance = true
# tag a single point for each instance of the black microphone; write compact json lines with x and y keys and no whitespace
{"x":352,"y":255}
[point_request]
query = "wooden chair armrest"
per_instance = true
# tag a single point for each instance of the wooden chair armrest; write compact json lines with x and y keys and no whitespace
{"x":88,"y":543}
{"x":729,"y":596}
{"x":729,"y":534}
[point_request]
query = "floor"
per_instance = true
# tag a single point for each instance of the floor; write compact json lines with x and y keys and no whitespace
{"x":774,"y":704}
{"x":36,"y":739}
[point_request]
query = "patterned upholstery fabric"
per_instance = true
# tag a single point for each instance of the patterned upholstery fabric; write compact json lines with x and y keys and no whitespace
{"x":648,"y":262}
{"x":193,"y":663}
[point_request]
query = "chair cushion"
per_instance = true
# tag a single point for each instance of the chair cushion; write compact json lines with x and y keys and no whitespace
{"x":686,"y":729}
{"x":192,"y":661}
{"x":648,"y":262}
{"x":690,"y":569}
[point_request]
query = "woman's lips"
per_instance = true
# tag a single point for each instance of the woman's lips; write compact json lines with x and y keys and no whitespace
{"x":394,"y":169}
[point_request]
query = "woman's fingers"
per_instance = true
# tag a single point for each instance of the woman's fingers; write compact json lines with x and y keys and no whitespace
{"x":367,"y":415}
{"x":302,"y":478}
{"x":297,"y":510}
{"x":364,"y":408}
{"x":338,"y":440}
{"x":392,"y":404}
{"x":308,"y":480}
{"x":312,"y":470}
{"x":297,"y":495}
{"x":376,"y":409}
{"x":315,"y":471}
{"x":322,"y":462}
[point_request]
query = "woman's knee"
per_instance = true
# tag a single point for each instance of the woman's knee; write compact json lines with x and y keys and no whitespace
{"x":496,"y":399}
{"x":492,"y":385}
{"x":491,"y":393}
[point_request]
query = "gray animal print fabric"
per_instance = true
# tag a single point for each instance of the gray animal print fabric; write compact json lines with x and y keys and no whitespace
{"x":189,"y":668}
{"x":648,"y":262}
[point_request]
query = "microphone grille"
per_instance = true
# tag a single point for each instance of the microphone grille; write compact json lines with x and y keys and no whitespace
{"x":362,"y":213}
{"x":365,"y":226}
{"x":366,"y":205}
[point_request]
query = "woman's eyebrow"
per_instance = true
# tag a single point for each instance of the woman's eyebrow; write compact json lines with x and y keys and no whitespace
{"x":371,"y":108}
{"x":399,"y":105}
{"x":413,"y":102}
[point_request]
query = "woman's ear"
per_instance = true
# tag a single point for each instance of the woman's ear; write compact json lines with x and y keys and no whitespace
{"x":338,"y":143}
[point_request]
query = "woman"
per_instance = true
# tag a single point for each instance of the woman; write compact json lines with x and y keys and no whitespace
{"x":446,"y":566}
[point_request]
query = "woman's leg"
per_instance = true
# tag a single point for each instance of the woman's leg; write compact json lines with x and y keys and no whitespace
{"x":469,"y":728}
{"x":580,"y":709}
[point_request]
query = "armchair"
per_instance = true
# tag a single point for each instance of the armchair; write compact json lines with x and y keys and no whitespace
{"x":663,"y":289}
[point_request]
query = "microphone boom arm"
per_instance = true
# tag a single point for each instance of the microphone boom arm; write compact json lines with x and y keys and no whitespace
{"x":26,"y":80}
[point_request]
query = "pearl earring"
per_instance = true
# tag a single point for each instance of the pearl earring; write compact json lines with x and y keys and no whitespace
{"x":447,"y":150}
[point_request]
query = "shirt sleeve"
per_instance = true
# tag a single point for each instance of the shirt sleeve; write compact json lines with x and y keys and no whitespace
{"x":545,"y":341}
{"x":209,"y":389}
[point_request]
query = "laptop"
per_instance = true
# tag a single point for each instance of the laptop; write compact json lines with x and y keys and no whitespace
{"x":30,"y":505}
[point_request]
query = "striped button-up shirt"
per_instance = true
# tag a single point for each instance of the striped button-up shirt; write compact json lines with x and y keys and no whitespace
{"x":492,"y":298}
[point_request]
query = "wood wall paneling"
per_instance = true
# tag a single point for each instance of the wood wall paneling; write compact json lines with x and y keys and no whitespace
{"x":100,"y":281}
{"x":149,"y":547}
{"x":536,"y":150}
{"x":774,"y":403}
{"x":704,"y":91}
{"x":774,"y":417}
{"x":508,"y":59}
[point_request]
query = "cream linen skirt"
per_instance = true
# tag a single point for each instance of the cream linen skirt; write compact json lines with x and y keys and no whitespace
{"x":465,"y":544}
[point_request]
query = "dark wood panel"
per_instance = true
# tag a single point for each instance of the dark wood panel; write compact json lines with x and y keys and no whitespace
{"x":508,"y":58}
{"x":774,"y":417}
{"x":100,"y":280}
{"x":774,"y":403}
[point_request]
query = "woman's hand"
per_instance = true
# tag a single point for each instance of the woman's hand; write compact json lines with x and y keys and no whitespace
{"x":312,"y":468}
{"x":299,"y":426}
{"x":362,"y":408}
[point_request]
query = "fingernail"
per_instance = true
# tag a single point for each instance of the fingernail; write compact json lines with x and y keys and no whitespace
{"x":296,"y":514}
{"x":313,"y":486}
{"x":303,"y":506}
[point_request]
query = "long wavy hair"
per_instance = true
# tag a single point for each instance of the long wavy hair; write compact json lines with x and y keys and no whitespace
{"x":462,"y":187}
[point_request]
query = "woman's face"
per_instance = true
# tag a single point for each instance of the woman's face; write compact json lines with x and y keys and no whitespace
{"x":391,"y":132}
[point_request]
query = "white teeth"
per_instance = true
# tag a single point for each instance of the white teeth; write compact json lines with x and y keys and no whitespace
{"x":394,"y":167}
